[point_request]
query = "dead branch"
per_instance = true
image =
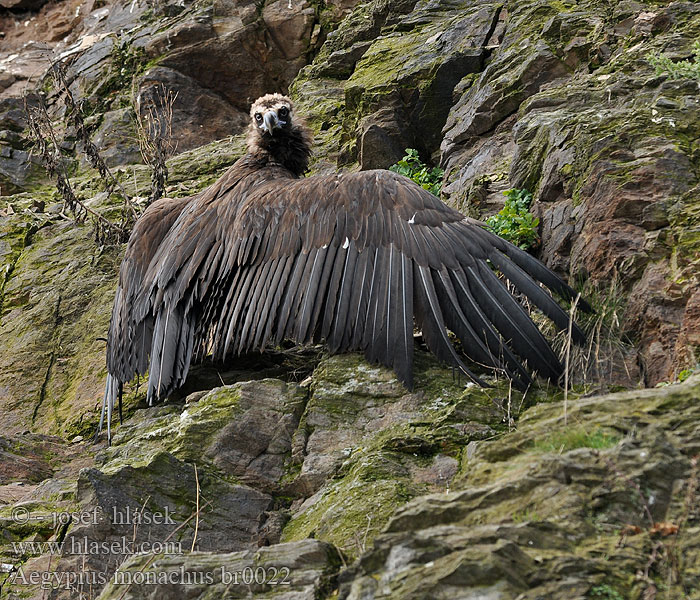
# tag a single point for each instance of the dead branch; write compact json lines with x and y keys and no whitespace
{"x":75,"y":113}
{"x":154,"y":120}
{"x":45,"y":140}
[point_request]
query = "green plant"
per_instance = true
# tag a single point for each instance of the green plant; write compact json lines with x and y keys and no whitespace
{"x":684,"y":374}
{"x":526,"y":516}
{"x":682,"y":69}
{"x":515,"y":222}
{"x":412,"y":167}
{"x":604,"y":591}
{"x":576,"y":437}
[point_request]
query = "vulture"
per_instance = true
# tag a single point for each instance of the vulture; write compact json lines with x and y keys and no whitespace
{"x":352,"y":260}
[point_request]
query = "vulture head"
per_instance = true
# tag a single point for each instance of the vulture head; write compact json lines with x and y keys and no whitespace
{"x":276,"y":131}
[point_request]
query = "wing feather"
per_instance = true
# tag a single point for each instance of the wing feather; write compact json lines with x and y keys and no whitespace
{"x":337,"y":305}
{"x":253,"y":308}
{"x":497,"y":355}
{"x":358,"y":301}
{"x":515,"y":325}
{"x":429,"y":317}
{"x":403,"y":362}
{"x":221,"y":325}
{"x":271,"y":301}
{"x":291,"y":299}
{"x":239,"y":301}
{"x":537,"y":295}
{"x":544,"y":361}
{"x":495,"y":346}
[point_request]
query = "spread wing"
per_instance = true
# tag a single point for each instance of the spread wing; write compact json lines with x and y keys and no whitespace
{"x":128,"y":343}
{"x":347,"y":259}
{"x":129,"y":339}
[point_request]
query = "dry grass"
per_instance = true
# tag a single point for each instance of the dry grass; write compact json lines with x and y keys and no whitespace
{"x":603,"y":361}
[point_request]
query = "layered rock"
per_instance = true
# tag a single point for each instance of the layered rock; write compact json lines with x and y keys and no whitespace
{"x":555,"y":510}
{"x":570,"y":108}
{"x":586,"y":497}
{"x":255,"y":463}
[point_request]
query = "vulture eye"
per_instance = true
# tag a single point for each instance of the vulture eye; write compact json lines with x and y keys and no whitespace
{"x":258,"y":117}
{"x":283,"y":112}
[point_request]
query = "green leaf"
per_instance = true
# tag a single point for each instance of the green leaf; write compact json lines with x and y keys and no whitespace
{"x":515,"y":222}
{"x":411,"y":166}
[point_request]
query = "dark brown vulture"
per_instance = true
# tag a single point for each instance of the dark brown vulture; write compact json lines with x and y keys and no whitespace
{"x":349,"y":259}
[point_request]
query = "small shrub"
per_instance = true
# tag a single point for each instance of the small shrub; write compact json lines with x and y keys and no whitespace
{"x":412,"y":167}
{"x":684,"y":374}
{"x":605,"y":591}
{"x":683,"y":69}
{"x":515,"y":222}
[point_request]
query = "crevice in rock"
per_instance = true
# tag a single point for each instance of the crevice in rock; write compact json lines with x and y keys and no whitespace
{"x":52,"y":361}
{"x":490,"y":34}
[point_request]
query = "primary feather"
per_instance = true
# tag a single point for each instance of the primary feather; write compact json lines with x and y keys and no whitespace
{"x":351,"y":260}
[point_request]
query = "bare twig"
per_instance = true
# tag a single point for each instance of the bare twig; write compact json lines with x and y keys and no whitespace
{"x":136,"y":521}
{"x":154,"y":122}
{"x":45,"y":140}
{"x":152,"y":557}
{"x":76,"y":114}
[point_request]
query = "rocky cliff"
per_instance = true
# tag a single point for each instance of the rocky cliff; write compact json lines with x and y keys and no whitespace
{"x":321,"y":475}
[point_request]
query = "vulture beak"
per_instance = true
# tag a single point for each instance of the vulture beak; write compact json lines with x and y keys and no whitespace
{"x":270,"y":121}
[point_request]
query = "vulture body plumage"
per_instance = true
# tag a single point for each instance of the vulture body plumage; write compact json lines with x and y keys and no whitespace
{"x":349,"y":259}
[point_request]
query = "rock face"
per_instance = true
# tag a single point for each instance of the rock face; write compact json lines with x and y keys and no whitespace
{"x":297,"y":475}
{"x":429,"y":492}
{"x":55,"y":306}
{"x":552,"y":511}
{"x":584,"y":122}
{"x":217,"y":58}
